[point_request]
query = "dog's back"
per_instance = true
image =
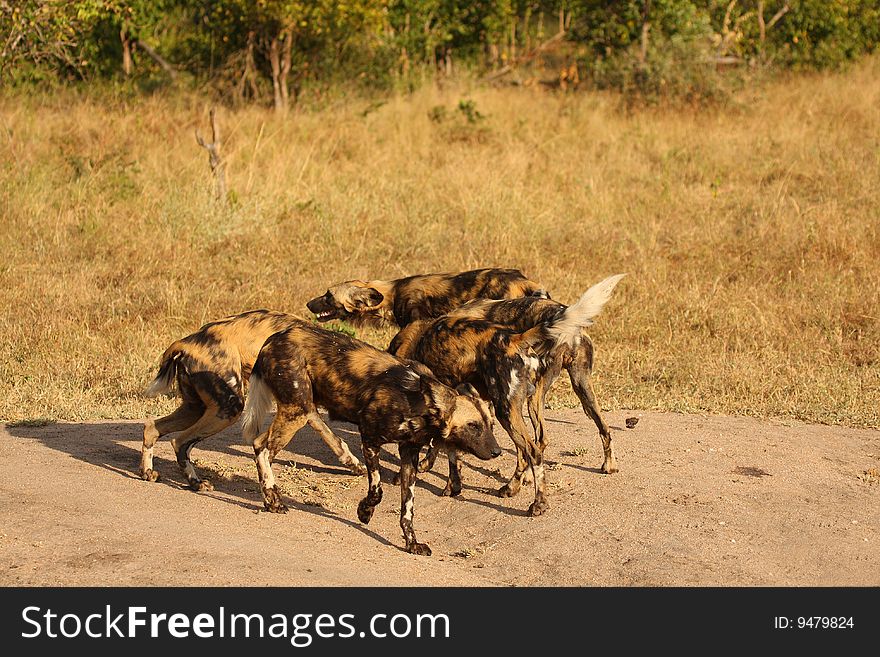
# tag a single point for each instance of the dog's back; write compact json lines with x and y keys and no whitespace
{"x":339,"y":372}
{"x":516,"y":314}
{"x":225,"y":349}
{"x":429,"y":296}
{"x":414,"y":298}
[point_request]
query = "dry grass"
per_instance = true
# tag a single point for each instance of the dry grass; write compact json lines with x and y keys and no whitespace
{"x":750,"y":234}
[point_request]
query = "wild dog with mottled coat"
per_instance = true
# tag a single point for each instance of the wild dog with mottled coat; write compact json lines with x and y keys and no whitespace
{"x":390,"y":400}
{"x":512,"y":353}
{"x":424,"y":296}
{"x":211,"y":368}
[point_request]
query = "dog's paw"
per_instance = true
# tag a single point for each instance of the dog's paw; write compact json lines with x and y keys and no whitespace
{"x":538,"y":507}
{"x":507,"y":491}
{"x":357,"y":468}
{"x":420,"y":549}
{"x":272,"y":501}
{"x":203,"y":486}
{"x":451,"y":491}
{"x":425,"y":465}
{"x":150,"y":475}
{"x":609,"y":466}
{"x":365,"y":512}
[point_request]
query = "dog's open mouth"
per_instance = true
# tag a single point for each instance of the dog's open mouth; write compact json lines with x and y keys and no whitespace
{"x":324,"y":315}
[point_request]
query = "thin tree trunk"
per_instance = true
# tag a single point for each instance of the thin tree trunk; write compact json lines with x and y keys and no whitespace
{"x":275,"y":63}
{"x":762,"y":27}
{"x":280,"y":58}
{"x":646,"y":28}
{"x":126,"y":51}
{"x":286,"y":62}
{"x":250,"y":67}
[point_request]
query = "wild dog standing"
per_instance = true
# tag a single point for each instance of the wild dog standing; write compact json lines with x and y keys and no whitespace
{"x":511,"y":364}
{"x":390,"y":400}
{"x":425,"y":296}
{"x":521,"y":315}
{"x":211,"y":367}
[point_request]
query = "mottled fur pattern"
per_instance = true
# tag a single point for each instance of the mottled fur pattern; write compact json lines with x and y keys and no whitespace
{"x":425,"y":296}
{"x":391,"y":401}
{"x":512,"y":351}
{"x":211,"y":368}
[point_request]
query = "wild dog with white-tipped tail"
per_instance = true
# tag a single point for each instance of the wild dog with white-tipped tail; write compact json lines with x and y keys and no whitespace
{"x":512,"y":351}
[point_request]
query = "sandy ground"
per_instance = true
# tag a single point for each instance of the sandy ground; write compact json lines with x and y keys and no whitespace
{"x":698,"y":501}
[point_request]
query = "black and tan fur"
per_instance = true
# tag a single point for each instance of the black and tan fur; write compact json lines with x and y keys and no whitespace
{"x":211,"y":368}
{"x":391,"y":401}
{"x":425,"y":296}
{"x":512,"y":351}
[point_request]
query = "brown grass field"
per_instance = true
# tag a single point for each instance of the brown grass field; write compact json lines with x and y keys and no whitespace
{"x":749,"y":232}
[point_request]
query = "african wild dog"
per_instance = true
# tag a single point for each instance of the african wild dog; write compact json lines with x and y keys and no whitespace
{"x":511,"y":363}
{"x":521,"y":315}
{"x":391,"y":401}
{"x":424,"y":296}
{"x":211,"y":367}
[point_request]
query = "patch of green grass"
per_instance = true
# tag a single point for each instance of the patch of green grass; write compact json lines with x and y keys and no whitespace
{"x":33,"y":422}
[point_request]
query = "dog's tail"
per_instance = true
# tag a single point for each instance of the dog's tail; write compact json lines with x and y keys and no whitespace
{"x":169,"y":367}
{"x":257,"y":407}
{"x":566,"y":328}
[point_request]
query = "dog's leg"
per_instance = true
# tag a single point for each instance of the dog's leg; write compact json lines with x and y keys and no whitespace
{"x":427,"y":463}
{"x":374,"y":482}
{"x":580,"y":371}
{"x":336,"y":444}
{"x":183,"y":418}
{"x":511,"y":420}
{"x":205,"y":426}
{"x":409,"y":461}
{"x":453,"y":482}
{"x":266,"y":448}
{"x":512,"y":487}
{"x":535,"y":405}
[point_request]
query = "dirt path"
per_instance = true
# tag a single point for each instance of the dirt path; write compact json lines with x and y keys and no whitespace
{"x":698,"y":501}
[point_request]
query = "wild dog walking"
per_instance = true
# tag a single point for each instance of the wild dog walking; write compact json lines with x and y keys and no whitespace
{"x":211,"y":367}
{"x":390,"y":400}
{"x":425,"y":296}
{"x":513,"y":363}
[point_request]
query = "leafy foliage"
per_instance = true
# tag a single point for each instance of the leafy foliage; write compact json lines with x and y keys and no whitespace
{"x":254,"y":50}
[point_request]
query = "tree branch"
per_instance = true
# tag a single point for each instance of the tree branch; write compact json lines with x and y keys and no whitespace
{"x":218,"y":166}
{"x":156,"y":57}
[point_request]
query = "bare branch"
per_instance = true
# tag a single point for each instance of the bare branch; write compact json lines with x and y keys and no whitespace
{"x":218,"y":166}
{"x":156,"y":57}
{"x":779,"y":14}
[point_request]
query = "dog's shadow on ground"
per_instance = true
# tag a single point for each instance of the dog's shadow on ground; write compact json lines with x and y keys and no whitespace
{"x":116,"y":447}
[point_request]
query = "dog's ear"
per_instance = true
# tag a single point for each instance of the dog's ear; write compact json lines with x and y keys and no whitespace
{"x":467,"y":389}
{"x":364,"y":297}
{"x":439,"y":398}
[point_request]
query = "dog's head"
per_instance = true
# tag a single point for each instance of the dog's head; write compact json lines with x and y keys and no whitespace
{"x":466,"y":420}
{"x":351,"y":300}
